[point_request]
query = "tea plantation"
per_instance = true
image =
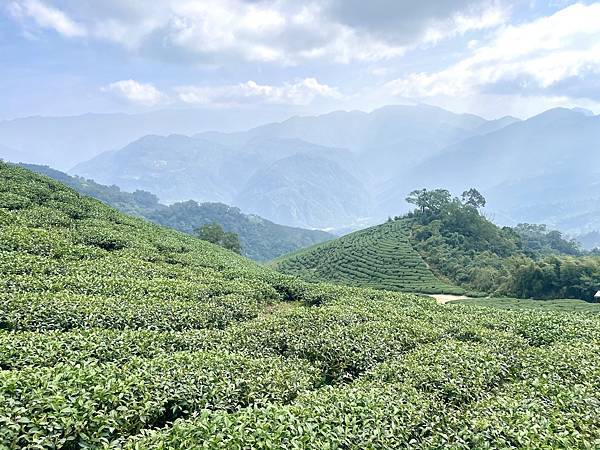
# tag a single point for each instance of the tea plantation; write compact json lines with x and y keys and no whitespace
{"x":116,"y":333}
{"x":381,"y":257}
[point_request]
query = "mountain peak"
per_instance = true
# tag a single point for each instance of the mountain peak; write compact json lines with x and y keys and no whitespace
{"x":584,"y":111}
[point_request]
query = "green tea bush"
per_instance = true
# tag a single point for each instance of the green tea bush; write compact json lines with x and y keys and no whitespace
{"x":71,"y":406}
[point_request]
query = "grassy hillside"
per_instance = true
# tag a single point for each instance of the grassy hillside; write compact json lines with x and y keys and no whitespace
{"x":116,"y":333}
{"x":380,"y":257}
{"x":261,"y":239}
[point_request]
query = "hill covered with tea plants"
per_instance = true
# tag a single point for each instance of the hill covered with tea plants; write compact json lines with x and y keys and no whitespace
{"x":447,"y":238}
{"x":380,"y":257}
{"x":261,"y":239}
{"x":118,"y":333}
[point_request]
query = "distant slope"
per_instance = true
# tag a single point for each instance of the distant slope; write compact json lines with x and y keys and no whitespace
{"x":306,"y":190}
{"x":495,"y":125}
{"x":381,"y":257}
{"x":319,"y":185}
{"x":261,"y":239}
{"x":174,"y":167}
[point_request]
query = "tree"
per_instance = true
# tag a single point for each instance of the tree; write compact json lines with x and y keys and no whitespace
{"x":473,"y":198}
{"x":214,"y":233}
{"x":430,"y":201}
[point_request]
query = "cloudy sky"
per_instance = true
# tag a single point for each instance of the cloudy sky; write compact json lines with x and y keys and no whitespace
{"x":62,"y":57}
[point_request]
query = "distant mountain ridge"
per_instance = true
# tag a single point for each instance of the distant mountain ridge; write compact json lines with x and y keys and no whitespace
{"x":65,"y":141}
{"x":550,"y":158}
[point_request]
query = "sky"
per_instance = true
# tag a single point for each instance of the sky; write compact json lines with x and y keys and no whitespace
{"x":492,"y":58}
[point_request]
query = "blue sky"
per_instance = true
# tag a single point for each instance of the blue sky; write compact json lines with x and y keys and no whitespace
{"x":496,"y":57}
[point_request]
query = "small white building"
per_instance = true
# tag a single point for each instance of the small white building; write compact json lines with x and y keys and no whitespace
{"x":597,"y":296}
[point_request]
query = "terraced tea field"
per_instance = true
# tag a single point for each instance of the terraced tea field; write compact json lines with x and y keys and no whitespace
{"x":119,"y":334}
{"x":380,"y":257}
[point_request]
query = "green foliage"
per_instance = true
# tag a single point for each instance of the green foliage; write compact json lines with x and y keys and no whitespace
{"x":214,"y":233}
{"x":115,"y":333}
{"x":473,"y":198}
{"x":260,"y":239}
{"x":429,"y":202}
{"x":555,"y":277}
{"x":461,"y":245}
{"x":380,"y":257}
{"x":539,"y":241}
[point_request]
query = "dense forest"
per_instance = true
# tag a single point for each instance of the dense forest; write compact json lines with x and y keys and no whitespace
{"x":260,"y":239}
{"x":461,"y":245}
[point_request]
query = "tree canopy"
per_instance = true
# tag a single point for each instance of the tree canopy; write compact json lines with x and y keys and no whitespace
{"x":214,"y":233}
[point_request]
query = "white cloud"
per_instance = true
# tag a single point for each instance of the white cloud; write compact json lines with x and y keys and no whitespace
{"x":282,"y":31}
{"x":46,"y":17}
{"x":299,"y":93}
{"x":144,"y":94}
{"x":526,"y":58}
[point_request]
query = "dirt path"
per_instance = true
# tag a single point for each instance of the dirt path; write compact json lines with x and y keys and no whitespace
{"x":445,"y":298}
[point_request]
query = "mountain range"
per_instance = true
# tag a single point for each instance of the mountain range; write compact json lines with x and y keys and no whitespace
{"x":62,"y":142}
{"x":347,"y":169}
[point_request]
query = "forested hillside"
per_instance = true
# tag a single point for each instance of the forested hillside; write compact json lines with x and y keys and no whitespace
{"x":459,"y":243}
{"x":261,"y":239}
{"x":115,"y":332}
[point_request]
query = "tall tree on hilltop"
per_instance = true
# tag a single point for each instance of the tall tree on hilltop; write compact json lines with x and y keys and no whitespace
{"x":473,"y":198}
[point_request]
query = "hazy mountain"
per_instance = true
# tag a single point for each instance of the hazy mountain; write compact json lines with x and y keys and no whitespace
{"x":63,"y":142}
{"x":385,"y":140}
{"x":306,"y":190}
{"x":179,"y":168}
{"x":552,"y":156}
{"x":495,"y":125}
{"x":387,"y":153}
{"x":174,"y":167}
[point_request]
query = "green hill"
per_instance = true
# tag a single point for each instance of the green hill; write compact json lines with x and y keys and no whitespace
{"x":447,"y":238}
{"x":118,"y":333}
{"x":261,"y":239}
{"x":380,"y":257}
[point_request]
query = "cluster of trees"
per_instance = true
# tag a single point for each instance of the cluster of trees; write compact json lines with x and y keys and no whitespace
{"x":528,"y":261}
{"x":214,"y":233}
{"x":537,"y":240}
{"x":554,"y":277}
